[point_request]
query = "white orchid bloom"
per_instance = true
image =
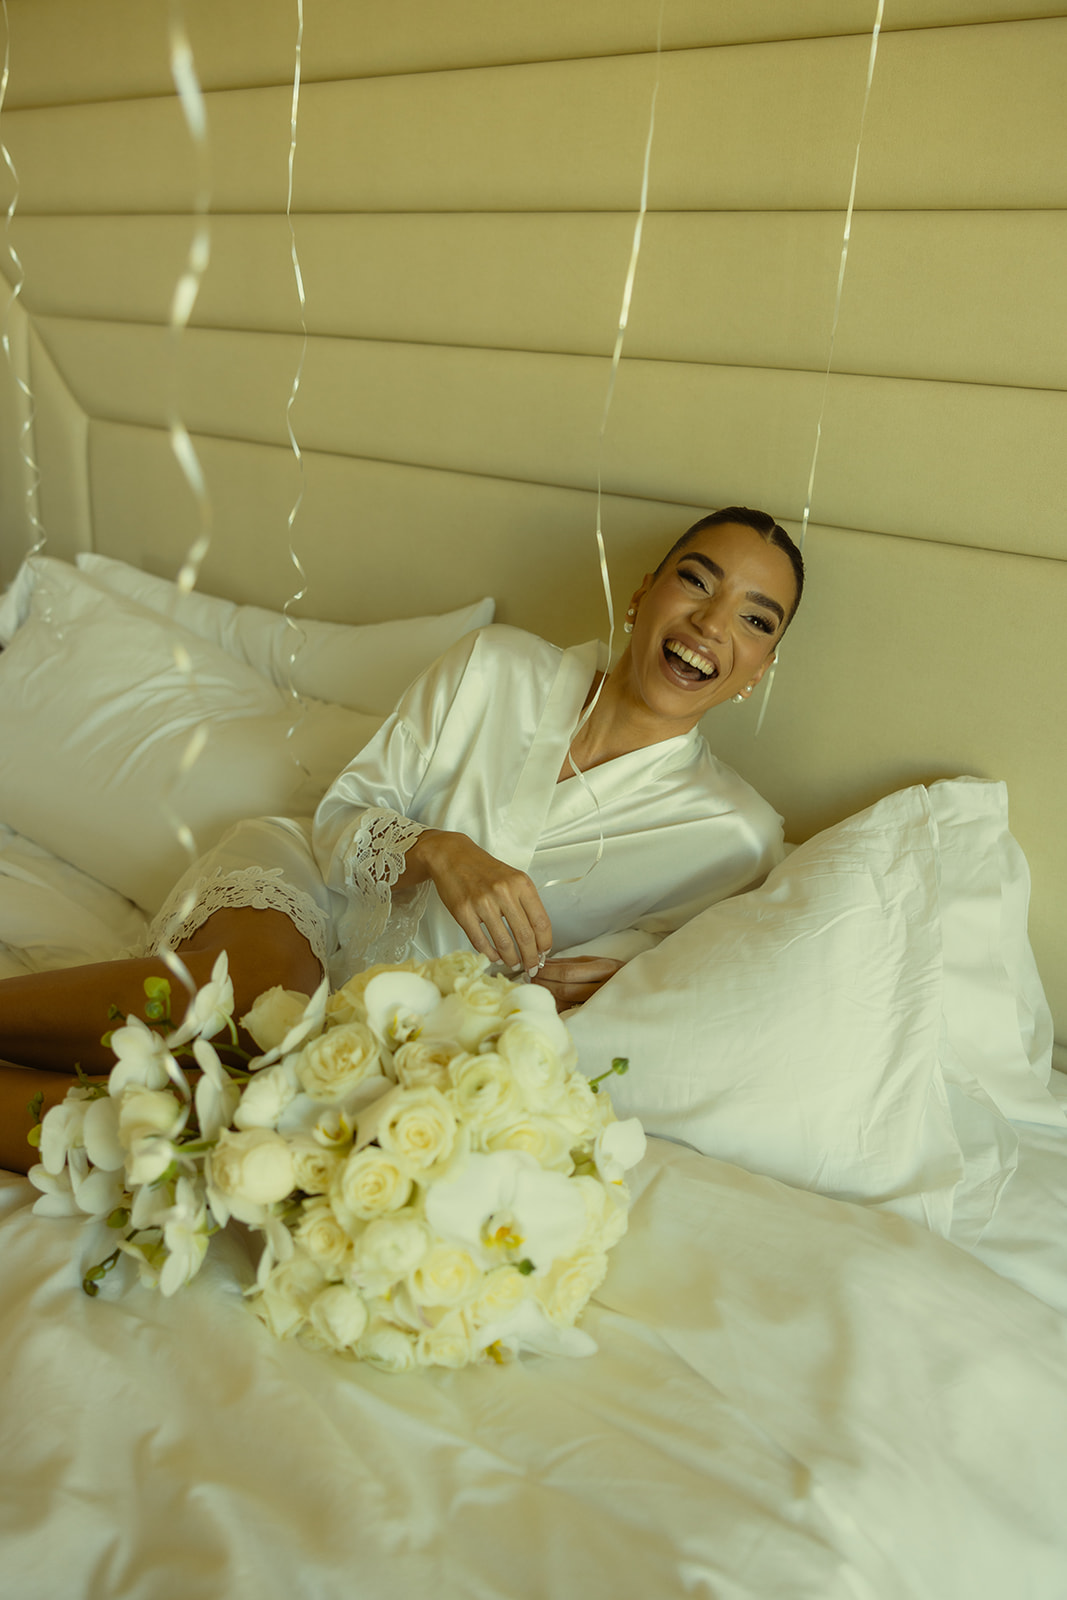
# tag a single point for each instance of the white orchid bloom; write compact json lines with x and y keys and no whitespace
{"x":528,"y":1328}
{"x":100,"y":1134}
{"x":57,"y":1193}
{"x":185,"y":1236}
{"x":504,"y":1201}
{"x":534,"y":1004}
{"x":211,"y":1008}
{"x":143,"y":1058}
{"x":63,"y":1129}
{"x":96,"y":1193}
{"x":398,"y":1004}
{"x":217,"y":1096}
{"x":619,"y":1146}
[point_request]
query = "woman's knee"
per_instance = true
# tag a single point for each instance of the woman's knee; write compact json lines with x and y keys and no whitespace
{"x":264,"y":948}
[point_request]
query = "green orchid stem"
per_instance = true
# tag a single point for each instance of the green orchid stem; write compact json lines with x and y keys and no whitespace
{"x":91,"y":1281}
{"x":619,"y":1067}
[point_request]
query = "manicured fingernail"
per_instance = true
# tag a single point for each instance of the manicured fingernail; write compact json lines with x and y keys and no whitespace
{"x":531,"y":972}
{"x":544,"y":958}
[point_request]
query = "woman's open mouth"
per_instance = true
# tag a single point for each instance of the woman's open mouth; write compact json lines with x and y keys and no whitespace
{"x":686,"y":665}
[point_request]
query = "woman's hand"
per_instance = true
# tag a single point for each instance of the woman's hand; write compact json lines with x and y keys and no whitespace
{"x":573,"y":982}
{"x":497,"y":906}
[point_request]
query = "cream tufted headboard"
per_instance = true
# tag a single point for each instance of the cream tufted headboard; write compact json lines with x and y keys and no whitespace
{"x":465,"y":186}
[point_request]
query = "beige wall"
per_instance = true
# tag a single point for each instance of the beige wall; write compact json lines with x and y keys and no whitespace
{"x":466,"y":179}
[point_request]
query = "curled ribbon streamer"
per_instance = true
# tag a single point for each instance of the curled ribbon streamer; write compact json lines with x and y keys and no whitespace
{"x":298,"y":277}
{"x":872,"y":56}
{"x":183,"y":300}
{"x":33,"y":474}
{"x":616,"y":357}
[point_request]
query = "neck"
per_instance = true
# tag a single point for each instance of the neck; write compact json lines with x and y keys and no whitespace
{"x":619,"y":723}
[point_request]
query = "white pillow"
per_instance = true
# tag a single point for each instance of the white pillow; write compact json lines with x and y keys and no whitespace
{"x":96,"y":718}
{"x":798,"y":1030}
{"x":366,"y":668}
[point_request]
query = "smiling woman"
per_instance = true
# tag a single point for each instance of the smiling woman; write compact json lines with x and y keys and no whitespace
{"x":522,"y":800}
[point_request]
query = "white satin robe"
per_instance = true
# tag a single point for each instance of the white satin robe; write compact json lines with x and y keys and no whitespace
{"x":476,"y":746}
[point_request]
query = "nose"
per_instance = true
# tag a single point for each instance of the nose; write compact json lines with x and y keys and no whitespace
{"x":711,"y":615}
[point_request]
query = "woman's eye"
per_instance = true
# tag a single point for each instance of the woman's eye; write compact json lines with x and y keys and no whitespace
{"x":693,"y":578}
{"x":764,"y":624}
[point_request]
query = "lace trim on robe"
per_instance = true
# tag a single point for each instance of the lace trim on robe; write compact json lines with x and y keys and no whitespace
{"x":264,"y":889}
{"x":376,"y":924}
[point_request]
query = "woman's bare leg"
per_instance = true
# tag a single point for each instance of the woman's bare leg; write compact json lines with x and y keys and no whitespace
{"x":51,"y":1020}
{"x":55,"y":1019}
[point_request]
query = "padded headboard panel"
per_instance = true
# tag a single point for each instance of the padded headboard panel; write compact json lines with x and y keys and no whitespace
{"x":465,"y":186}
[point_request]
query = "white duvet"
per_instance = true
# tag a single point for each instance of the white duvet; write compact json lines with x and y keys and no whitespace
{"x":793,"y":1397}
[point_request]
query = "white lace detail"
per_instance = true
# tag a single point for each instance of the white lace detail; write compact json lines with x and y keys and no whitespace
{"x":378,"y":925}
{"x":264,"y":889}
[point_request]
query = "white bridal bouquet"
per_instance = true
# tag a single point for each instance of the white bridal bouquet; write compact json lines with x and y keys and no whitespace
{"x":434,"y":1181}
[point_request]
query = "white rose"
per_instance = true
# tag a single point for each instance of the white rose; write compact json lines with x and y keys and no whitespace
{"x":255,"y":1165}
{"x":576,"y":1106}
{"x":423,"y":1064}
{"x":370,"y":1184}
{"x":322,"y":1236}
{"x":386,"y":1347}
{"x":273,"y":1015}
{"x":266,"y":1096}
{"x":315,"y":1167}
{"x":500,"y":1293}
{"x":483,"y":1093}
{"x":445,"y":971}
{"x":564,"y":1290}
{"x":285,"y":1298}
{"x":389,"y":1249}
{"x":337,"y":1316}
{"x":347,"y":1004}
{"x":532,"y":1057}
{"x":475,"y":1009}
{"x":606,"y":1213}
{"x":418,"y":1126}
{"x":446,"y":1276}
{"x":548,"y":1141}
{"x":448,"y":1344}
{"x":334,"y":1064}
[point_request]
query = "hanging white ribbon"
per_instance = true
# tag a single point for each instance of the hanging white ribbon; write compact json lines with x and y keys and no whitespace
{"x":616,"y":357}
{"x":872,"y":56}
{"x":25,"y":442}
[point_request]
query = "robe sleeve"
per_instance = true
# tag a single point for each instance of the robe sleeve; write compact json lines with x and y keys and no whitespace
{"x":364,"y":827}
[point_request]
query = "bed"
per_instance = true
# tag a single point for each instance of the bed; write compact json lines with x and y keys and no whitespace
{"x":832,"y":1346}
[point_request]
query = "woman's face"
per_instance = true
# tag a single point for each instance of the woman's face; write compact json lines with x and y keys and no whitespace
{"x":707,"y":627}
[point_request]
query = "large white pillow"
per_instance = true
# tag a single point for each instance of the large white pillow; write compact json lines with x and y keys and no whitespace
{"x":818,"y":1029}
{"x":95,"y":721}
{"x":366,"y":668}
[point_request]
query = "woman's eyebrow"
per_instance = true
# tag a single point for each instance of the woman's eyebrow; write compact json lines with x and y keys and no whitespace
{"x":717,"y":572}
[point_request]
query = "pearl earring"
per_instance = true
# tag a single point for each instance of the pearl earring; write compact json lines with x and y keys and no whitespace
{"x":737,"y":699}
{"x":628,"y":625}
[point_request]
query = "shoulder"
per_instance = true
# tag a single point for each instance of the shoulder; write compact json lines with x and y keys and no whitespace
{"x":502,"y":646}
{"x":726,"y":791}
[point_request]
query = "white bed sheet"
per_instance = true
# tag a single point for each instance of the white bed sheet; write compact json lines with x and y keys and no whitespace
{"x":792,"y":1397}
